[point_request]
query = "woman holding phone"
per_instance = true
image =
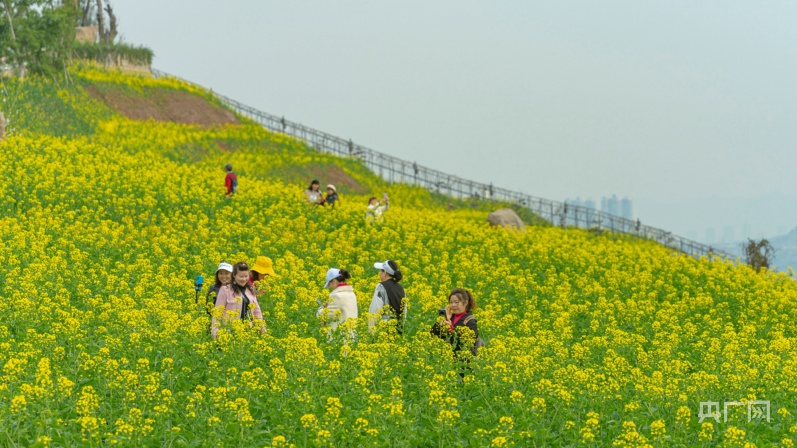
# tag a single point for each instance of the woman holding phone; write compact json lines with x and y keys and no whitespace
{"x":453,"y":320}
{"x":375,"y":209}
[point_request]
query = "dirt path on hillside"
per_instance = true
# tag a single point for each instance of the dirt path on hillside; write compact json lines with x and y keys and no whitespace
{"x":161,"y":105}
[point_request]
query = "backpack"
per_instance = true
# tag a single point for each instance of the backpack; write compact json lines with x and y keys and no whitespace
{"x":234,"y":182}
{"x":479,"y":341}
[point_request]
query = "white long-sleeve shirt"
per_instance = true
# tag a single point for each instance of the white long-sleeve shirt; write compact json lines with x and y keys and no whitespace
{"x":374,"y":211}
{"x":342,"y":299}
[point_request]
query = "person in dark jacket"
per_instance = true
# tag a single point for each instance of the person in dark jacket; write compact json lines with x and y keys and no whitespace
{"x":332,"y":195}
{"x":389,"y":299}
{"x":454,"y":321}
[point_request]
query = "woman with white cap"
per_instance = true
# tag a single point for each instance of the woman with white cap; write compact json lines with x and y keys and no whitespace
{"x":223,"y":277}
{"x":389,"y":299}
{"x":342,"y":298}
{"x":237,"y":301}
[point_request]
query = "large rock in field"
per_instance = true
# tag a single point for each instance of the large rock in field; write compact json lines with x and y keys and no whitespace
{"x":506,"y":217}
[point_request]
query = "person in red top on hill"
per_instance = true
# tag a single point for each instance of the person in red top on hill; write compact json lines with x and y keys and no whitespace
{"x":230,"y":181}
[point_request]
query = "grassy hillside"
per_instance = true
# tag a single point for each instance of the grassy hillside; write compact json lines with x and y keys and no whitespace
{"x":105,"y":221}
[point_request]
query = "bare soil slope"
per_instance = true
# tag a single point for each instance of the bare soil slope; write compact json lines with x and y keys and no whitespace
{"x":175,"y":106}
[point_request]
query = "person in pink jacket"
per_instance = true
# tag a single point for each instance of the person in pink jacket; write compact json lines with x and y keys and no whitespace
{"x":238,"y":300}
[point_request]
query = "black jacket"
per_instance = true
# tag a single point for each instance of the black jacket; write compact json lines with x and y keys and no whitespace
{"x":442,"y":331}
{"x":213,"y":291}
{"x":395,"y":293}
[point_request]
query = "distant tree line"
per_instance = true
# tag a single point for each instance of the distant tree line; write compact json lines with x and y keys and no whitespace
{"x":38,"y":36}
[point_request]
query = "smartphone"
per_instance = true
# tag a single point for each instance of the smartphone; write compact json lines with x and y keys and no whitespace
{"x":319,"y":302}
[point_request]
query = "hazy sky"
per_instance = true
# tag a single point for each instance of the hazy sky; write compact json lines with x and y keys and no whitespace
{"x":688,"y":108}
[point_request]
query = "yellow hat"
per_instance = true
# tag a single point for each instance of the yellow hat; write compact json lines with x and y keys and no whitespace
{"x":264,"y":266}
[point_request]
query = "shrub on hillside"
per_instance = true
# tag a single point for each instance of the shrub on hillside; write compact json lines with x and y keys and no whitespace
{"x":113,"y":54}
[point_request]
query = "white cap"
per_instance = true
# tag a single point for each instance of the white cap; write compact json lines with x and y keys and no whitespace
{"x":224,"y":267}
{"x":332,"y":274}
{"x":332,"y":187}
{"x":385,"y":267}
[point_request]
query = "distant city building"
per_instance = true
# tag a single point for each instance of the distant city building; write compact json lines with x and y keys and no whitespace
{"x":589,"y":204}
{"x":618,"y":207}
{"x":711,"y":236}
{"x":728,"y":234}
{"x":747,"y":231}
{"x":626,"y":209}
{"x":611,"y":205}
{"x":576,"y":215}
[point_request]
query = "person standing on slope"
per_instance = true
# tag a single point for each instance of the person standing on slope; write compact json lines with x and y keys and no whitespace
{"x":373,"y":213}
{"x":230,"y":181}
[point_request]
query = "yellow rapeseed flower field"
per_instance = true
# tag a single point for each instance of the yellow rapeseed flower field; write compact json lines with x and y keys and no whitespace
{"x":595,"y":340}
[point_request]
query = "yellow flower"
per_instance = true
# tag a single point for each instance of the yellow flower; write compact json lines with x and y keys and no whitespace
{"x":279,"y":441}
{"x":706,"y":432}
{"x":18,"y":404}
{"x":499,"y":441}
{"x":657,"y":429}
{"x":309,"y":421}
{"x":104,"y":220}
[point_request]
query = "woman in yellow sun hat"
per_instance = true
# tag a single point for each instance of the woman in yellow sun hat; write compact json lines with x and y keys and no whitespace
{"x":263,"y":268}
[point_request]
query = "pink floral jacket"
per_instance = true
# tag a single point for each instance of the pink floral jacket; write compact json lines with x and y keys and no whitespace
{"x":232,"y":307}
